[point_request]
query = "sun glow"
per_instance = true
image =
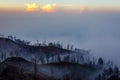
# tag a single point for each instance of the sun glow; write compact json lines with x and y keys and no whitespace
{"x":32,"y":7}
{"x":82,"y":10}
{"x":48,"y":8}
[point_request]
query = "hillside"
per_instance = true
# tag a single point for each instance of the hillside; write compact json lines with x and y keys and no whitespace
{"x":49,"y":71}
{"x":50,"y":61}
{"x":44,"y":54}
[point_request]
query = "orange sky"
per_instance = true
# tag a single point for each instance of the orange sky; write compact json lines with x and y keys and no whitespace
{"x":32,"y":7}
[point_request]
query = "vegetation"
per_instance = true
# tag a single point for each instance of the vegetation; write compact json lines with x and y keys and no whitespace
{"x":109,"y":74}
{"x":43,"y":44}
{"x":100,"y":61}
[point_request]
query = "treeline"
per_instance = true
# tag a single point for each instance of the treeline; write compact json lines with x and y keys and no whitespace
{"x":109,"y":74}
{"x":44,"y":44}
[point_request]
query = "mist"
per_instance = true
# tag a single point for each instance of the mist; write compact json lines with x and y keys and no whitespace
{"x":97,"y":31}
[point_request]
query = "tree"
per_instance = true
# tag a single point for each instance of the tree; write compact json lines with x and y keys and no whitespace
{"x":71,"y":47}
{"x":58,"y":58}
{"x":109,"y":74}
{"x":116,"y":70}
{"x":110,"y":63}
{"x":38,"y":43}
{"x":44,"y":43}
{"x":100,"y":61}
{"x":11,"y":54}
{"x":98,"y":77}
{"x":50,"y":44}
{"x":22,"y":42}
{"x":16,"y":53}
{"x":109,"y":71}
{"x":58,"y":45}
{"x":10,"y":37}
{"x":94,"y":61}
{"x":68,"y":46}
{"x":2,"y":56}
{"x":35,"y":60}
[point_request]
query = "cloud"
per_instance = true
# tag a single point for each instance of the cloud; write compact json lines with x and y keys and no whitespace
{"x":41,"y":8}
{"x":32,"y":7}
{"x":73,"y":8}
{"x":54,"y":7}
{"x":48,"y":7}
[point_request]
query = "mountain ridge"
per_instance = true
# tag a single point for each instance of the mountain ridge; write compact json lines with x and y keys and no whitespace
{"x":45,"y":54}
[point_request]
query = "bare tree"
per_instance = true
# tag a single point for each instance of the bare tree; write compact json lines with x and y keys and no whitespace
{"x":71,"y":47}
{"x":38,"y":43}
{"x":2,"y":56}
{"x":35,"y":60}
{"x":68,"y":46}
{"x":16,"y":53}
{"x":10,"y":37}
{"x":44,"y":43}
{"x":11,"y":54}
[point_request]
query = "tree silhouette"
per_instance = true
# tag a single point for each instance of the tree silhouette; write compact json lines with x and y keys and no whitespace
{"x":68,"y":46}
{"x":35,"y":60}
{"x":2,"y":56}
{"x":100,"y":61}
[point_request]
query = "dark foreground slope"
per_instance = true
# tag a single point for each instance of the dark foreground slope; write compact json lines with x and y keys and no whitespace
{"x":19,"y":69}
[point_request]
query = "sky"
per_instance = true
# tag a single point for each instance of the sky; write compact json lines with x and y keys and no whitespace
{"x":78,"y":22}
{"x":61,"y":2}
{"x":58,"y":4}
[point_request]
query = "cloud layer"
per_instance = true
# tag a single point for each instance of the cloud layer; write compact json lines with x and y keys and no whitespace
{"x":98,"y":31}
